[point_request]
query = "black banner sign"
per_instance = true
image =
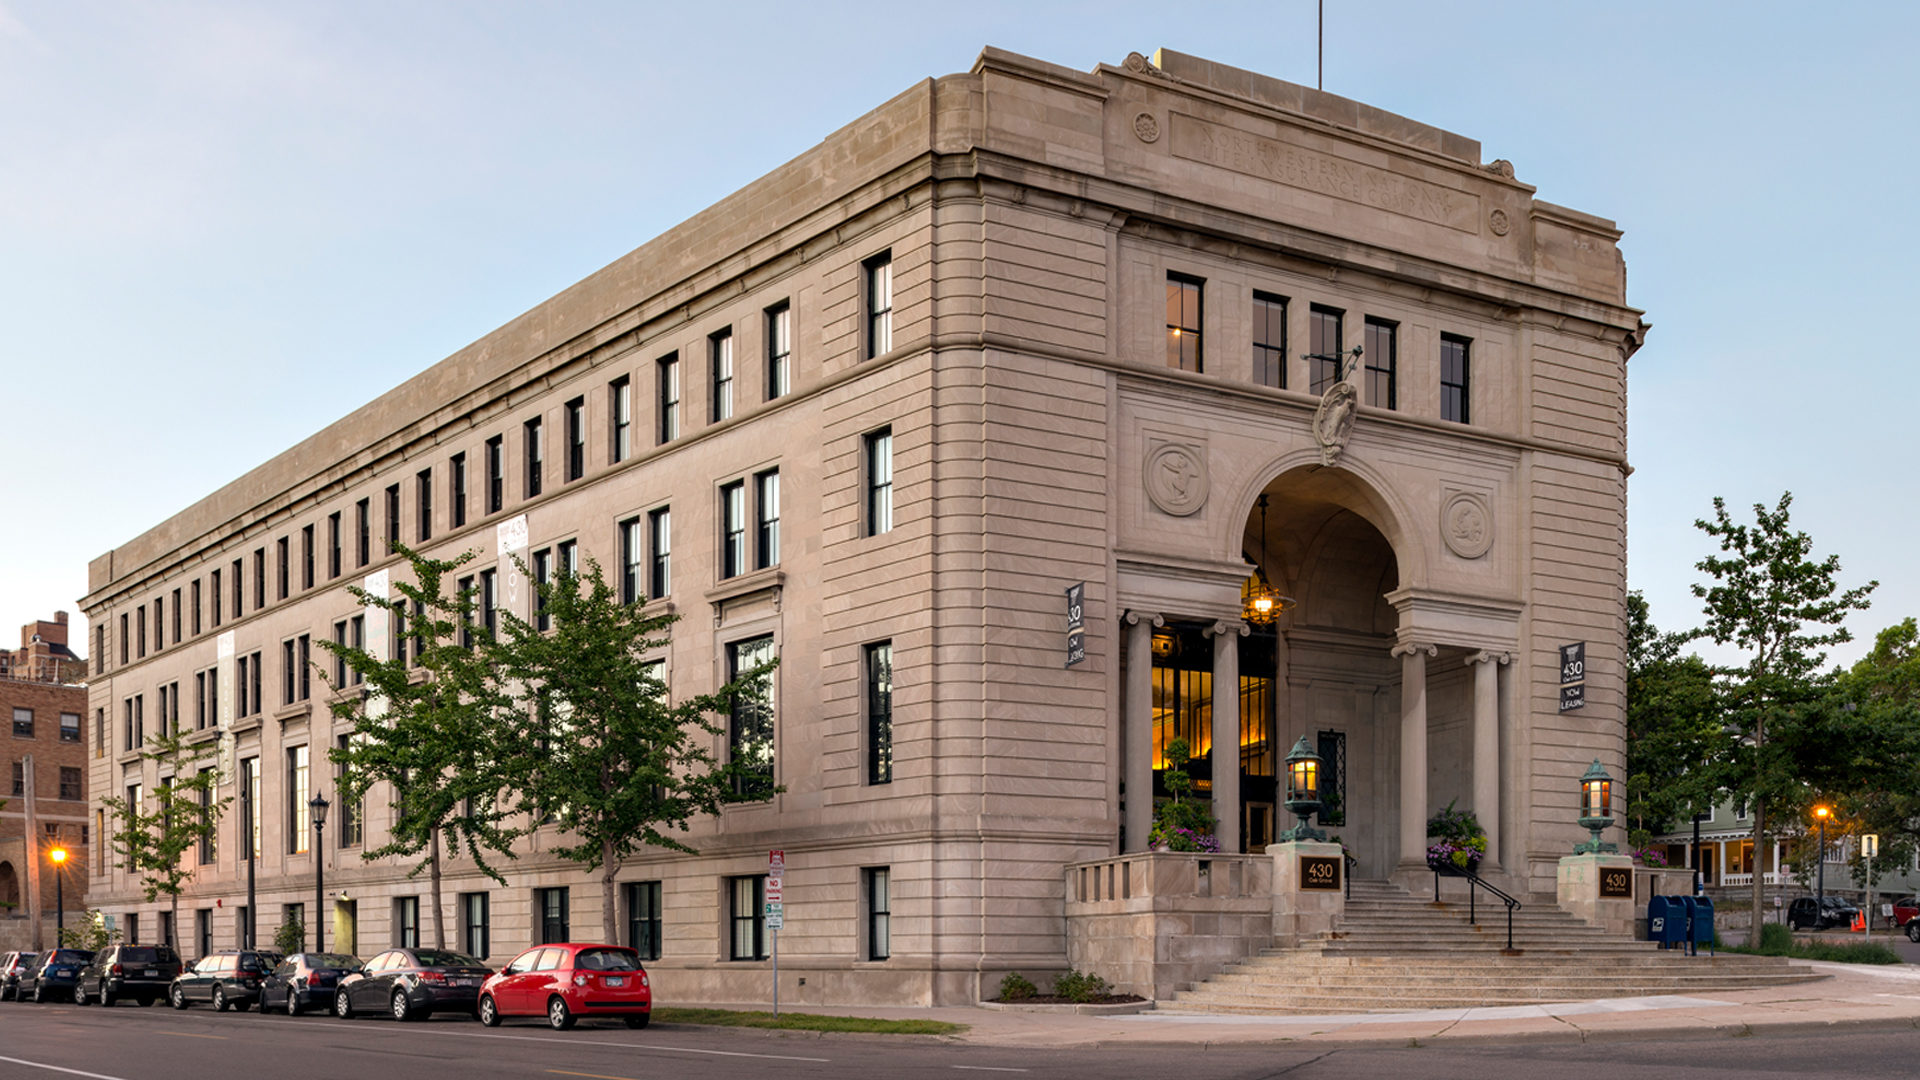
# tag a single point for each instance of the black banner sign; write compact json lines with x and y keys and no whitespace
{"x":1573,"y":676}
{"x":1076,"y":623}
{"x":1319,"y":873}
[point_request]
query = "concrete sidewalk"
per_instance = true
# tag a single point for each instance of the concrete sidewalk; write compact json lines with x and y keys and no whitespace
{"x":1854,"y":995}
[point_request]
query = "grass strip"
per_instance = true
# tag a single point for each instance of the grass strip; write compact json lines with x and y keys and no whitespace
{"x":1777,"y":940}
{"x":787,"y":1021}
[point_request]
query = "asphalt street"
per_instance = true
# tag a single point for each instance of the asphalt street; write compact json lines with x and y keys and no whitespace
{"x":130,"y":1043}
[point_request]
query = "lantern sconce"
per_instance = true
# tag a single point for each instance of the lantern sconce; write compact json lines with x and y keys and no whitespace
{"x":1596,"y":808}
{"x":1260,"y":602}
{"x":1303,"y":791}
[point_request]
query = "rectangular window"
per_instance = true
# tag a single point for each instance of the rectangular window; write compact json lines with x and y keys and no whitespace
{"x":259,"y":589}
{"x":1453,"y":379}
{"x":363,"y":532}
{"x":126,"y":635}
{"x":879,"y":904}
{"x":457,"y":489}
{"x":745,"y":912}
{"x":620,"y":409}
{"x":23,"y":723}
{"x":339,"y":661}
{"x":668,"y":376}
{"x":282,"y":579}
{"x":100,"y":732}
{"x":733,"y":529}
{"x":496,"y":453}
{"x":20,"y":781}
{"x":393,"y":519}
{"x":71,"y":786}
{"x":750,"y":732}
{"x":352,"y":814}
{"x":490,"y":602}
{"x":140,"y":629}
{"x":779,"y":350}
{"x":203,"y":930}
{"x":879,"y":683}
{"x":177,"y":638}
{"x":1382,"y":355}
{"x":304,"y":657}
{"x":333,"y":550}
{"x":239,"y":587}
{"x":306,"y":568}
{"x":423,"y":506}
{"x":1184,"y":321}
{"x":1327,"y":344}
{"x":250,"y":681}
{"x":475,"y":936}
{"x":1269,"y":340}
{"x":297,"y":800}
{"x":69,"y":727}
{"x":550,"y":909}
{"x":569,"y":558}
{"x":766,"y":511}
{"x":643,"y":918}
{"x":406,"y":922}
{"x":878,"y":464}
{"x":240,"y":694}
{"x":534,"y":443}
{"x":660,"y":536}
{"x":877,"y":287}
{"x":289,"y":671}
{"x":542,"y":580}
{"x":207,"y":847}
{"x":160,"y":713}
{"x":576,"y":414}
{"x":720,"y":356}
{"x":159,"y":624}
{"x":357,"y":638}
{"x":464,"y":591}
{"x":100,"y":647}
{"x":630,"y":556}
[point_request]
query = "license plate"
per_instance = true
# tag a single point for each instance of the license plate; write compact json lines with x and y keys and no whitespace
{"x":151,"y":973}
{"x":616,"y":980}
{"x":61,"y":973}
{"x":466,"y":982}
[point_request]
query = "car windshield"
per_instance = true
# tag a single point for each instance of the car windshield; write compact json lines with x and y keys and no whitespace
{"x":607,"y":960}
{"x":69,"y":956}
{"x":332,"y":960}
{"x":253,"y":962}
{"x":437,"y":958}
{"x":145,"y":954}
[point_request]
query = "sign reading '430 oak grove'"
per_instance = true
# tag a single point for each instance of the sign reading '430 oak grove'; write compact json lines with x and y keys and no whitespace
{"x":1573,"y":675}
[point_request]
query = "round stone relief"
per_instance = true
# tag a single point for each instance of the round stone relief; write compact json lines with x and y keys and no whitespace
{"x":1147,"y":127}
{"x":1176,"y":479}
{"x":1466,"y":524}
{"x":1497,"y":221}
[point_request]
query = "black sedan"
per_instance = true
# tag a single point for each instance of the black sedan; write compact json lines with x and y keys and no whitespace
{"x":12,"y":966}
{"x":412,"y":984}
{"x":224,"y":980}
{"x":1807,"y":913}
{"x":54,"y":975}
{"x":306,"y":981}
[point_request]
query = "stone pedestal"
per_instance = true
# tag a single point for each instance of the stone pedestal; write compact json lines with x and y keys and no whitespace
{"x":1309,"y":890}
{"x":1599,"y":890}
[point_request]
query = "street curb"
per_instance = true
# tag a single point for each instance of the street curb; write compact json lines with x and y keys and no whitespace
{"x":1124,"y":1008}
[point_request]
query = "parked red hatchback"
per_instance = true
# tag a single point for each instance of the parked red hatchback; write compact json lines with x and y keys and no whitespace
{"x":566,"y":982}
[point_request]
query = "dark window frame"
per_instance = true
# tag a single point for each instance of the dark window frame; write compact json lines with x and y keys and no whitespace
{"x":1382,"y":372}
{"x":733,"y":529}
{"x":575,"y":414}
{"x":457,"y":490}
{"x":720,"y":375}
{"x":644,"y":901}
{"x":876,"y":680}
{"x":779,"y":327}
{"x":620,"y":420}
{"x":1186,"y":322}
{"x":659,"y":551}
{"x":747,"y":929}
{"x":876,"y":305}
{"x":1456,"y":401}
{"x":1269,"y":355}
{"x":667,"y":398}
{"x":1328,"y":355}
{"x":495,"y":495}
{"x":533,"y":447}
{"x":876,"y":481}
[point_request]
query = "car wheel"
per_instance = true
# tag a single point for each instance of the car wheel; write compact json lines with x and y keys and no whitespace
{"x":638,"y":1022}
{"x":559,"y":1017}
{"x":79,"y":994}
{"x":342,"y":1005}
{"x":219,"y":1000}
{"x":401,"y":1008}
{"x":38,"y":998}
{"x":106,"y":999}
{"x":488,"y":1012}
{"x":177,"y":997}
{"x":1913,"y":930}
{"x":293,"y":1004}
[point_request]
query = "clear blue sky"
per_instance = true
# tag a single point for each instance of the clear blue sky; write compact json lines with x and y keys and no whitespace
{"x":224,"y":225}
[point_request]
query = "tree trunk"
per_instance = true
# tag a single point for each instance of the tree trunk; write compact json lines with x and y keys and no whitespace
{"x":433,"y":876}
{"x":176,"y":923}
{"x":608,"y":915}
{"x":1759,"y":875}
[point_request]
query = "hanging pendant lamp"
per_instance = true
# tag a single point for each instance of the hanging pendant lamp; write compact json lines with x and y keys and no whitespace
{"x":1260,"y":602}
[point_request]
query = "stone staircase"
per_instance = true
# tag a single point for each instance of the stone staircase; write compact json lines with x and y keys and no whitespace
{"x":1398,"y":951}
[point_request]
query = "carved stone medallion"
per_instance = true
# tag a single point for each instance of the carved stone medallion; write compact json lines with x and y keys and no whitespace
{"x":1176,"y":478}
{"x":1146,"y":127}
{"x":1466,"y":524}
{"x":1497,"y":221}
{"x":1333,"y":420}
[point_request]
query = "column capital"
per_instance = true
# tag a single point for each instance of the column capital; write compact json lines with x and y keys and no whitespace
{"x":1226,"y":627}
{"x":1490,"y":656}
{"x":1412,"y":647}
{"x":1135,"y":618}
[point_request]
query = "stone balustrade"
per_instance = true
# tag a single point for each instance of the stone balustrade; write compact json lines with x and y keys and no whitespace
{"x":1150,"y":922}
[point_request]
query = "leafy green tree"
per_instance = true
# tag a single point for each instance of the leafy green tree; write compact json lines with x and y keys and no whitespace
{"x":90,"y":933}
{"x":608,"y":751}
{"x":153,"y":842}
{"x":1672,"y":728}
{"x":441,"y":742}
{"x":1777,"y":607}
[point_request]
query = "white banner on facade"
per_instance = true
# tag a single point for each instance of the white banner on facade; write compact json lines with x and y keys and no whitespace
{"x":510,"y":538}
{"x":225,"y":685}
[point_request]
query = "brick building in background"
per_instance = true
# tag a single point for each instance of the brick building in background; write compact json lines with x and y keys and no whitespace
{"x":45,"y":798}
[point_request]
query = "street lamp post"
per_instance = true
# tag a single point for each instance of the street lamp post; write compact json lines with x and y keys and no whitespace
{"x":1823,"y":813}
{"x":59,"y":857}
{"x":318,"y":807}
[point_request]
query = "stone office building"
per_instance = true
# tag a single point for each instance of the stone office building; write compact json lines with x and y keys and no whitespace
{"x":1016,"y":329}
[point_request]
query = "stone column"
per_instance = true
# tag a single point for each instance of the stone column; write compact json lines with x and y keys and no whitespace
{"x":1486,"y":746}
{"x":1226,"y":732}
{"x":1413,"y":751}
{"x":1136,"y":724}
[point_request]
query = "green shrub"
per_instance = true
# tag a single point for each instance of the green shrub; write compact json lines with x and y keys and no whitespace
{"x":1079,"y":986}
{"x":1776,"y":939}
{"x":1017,"y":987}
{"x":290,"y":938}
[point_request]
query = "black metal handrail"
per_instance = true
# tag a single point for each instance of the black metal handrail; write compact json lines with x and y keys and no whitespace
{"x":1474,"y":881}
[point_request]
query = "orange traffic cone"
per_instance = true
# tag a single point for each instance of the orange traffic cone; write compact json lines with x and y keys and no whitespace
{"x":1859,"y":922}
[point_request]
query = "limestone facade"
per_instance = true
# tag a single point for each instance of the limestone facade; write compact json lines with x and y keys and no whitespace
{"x":1055,"y":326}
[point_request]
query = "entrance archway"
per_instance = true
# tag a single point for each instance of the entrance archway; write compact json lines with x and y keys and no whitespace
{"x":9,"y":889}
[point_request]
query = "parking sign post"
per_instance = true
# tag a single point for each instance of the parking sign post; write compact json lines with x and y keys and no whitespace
{"x":1869,"y":847}
{"x":775,"y":914}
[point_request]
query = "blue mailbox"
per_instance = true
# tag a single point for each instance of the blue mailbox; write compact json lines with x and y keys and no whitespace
{"x":1666,"y":921}
{"x":1700,"y":924}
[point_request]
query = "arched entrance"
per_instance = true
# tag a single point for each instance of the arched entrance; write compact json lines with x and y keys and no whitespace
{"x":9,"y":889}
